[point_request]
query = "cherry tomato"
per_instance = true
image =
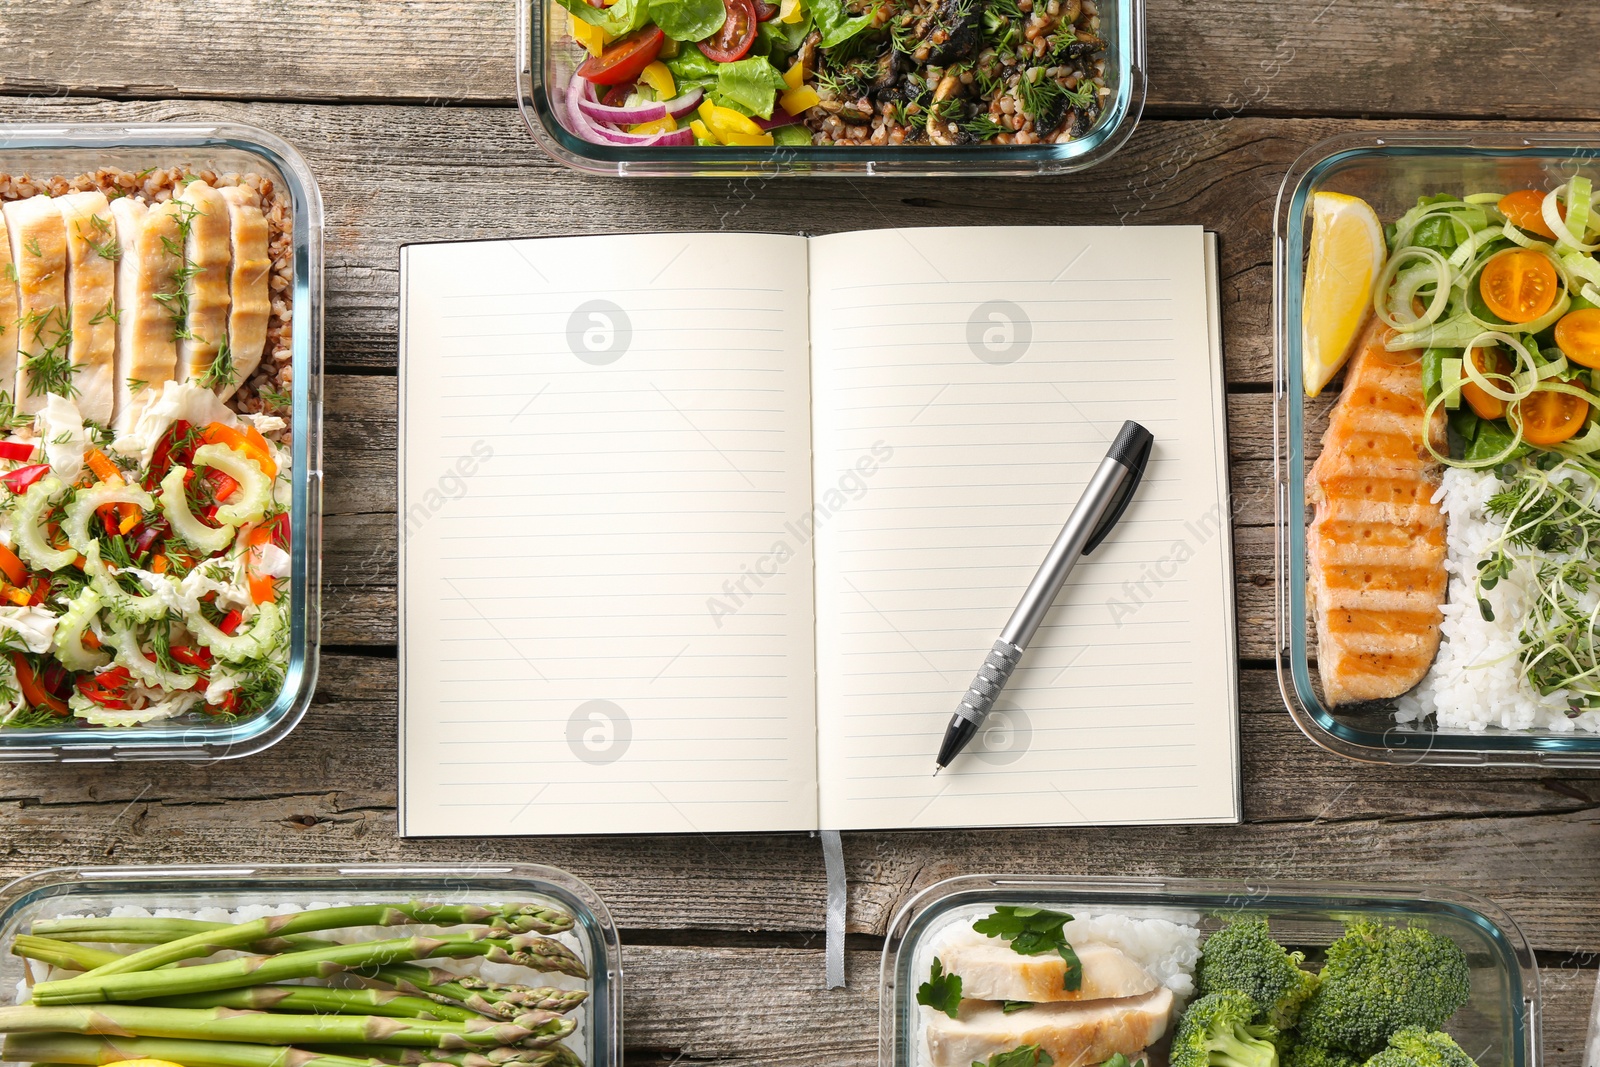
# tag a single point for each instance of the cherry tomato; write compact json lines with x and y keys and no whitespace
{"x":1485,"y":406}
{"x":617,"y":95}
{"x":1519,"y":284}
{"x":1548,"y":418}
{"x":765,"y":12}
{"x":623,"y":59}
{"x":1525,"y":209}
{"x":1578,"y":336}
{"x":738,"y":33}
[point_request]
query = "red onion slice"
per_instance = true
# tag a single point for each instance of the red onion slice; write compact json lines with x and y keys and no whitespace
{"x":649,"y":112}
{"x":580,"y":91}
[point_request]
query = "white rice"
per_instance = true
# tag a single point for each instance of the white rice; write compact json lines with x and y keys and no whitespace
{"x":1475,"y":681}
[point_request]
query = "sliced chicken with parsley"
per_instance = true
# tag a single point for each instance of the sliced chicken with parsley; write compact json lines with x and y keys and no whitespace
{"x":38,"y":239}
{"x":147,"y":284}
{"x":252,"y":298}
{"x":92,"y":252}
{"x":203,"y":354}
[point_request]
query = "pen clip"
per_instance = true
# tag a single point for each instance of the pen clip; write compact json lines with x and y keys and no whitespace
{"x":1132,"y":450}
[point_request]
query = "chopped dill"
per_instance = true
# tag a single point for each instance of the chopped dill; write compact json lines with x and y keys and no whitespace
{"x":32,"y":245}
{"x":222,"y":372}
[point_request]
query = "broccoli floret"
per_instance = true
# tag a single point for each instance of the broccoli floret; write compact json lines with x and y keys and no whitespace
{"x":1414,"y":1046}
{"x":1242,"y":956}
{"x":1317,"y":1056}
{"x":1217,"y":1031}
{"x":1379,"y":979}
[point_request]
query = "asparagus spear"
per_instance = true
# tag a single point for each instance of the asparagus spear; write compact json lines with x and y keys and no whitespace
{"x":320,"y":999}
{"x":538,"y":953}
{"x":60,"y":953}
{"x":77,"y":1049}
{"x":487,"y":998}
{"x":556,"y":1055}
{"x":263,"y":1028}
{"x":506,"y":919}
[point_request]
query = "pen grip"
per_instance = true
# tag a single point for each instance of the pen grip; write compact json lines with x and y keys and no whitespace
{"x":989,"y":681}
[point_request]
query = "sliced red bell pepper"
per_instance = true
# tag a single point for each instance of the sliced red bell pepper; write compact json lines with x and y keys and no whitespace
{"x":231,"y":621}
{"x":16,"y":450}
{"x":15,"y":570}
{"x":19,"y":480}
{"x":32,"y":691}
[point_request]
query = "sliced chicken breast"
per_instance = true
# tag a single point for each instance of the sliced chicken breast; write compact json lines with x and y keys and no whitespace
{"x":38,"y":237}
{"x":1074,"y":1034}
{"x":1376,"y":547}
{"x":9,"y":311}
{"x":92,"y":253}
{"x":990,"y":970}
{"x":252,"y":299}
{"x":147,"y":284}
{"x":203,"y":216}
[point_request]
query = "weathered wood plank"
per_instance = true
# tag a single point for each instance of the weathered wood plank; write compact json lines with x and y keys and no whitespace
{"x":1519,"y":836}
{"x":393,"y":174}
{"x":1366,"y":57}
{"x":759,"y":1007}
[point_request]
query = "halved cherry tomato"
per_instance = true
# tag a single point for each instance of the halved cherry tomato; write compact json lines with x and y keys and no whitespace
{"x":1578,"y":336}
{"x":1548,"y":418}
{"x":738,"y":33}
{"x":16,"y":450}
{"x":1525,"y":209}
{"x":32,"y":691}
{"x":15,"y":570}
{"x":623,"y":59}
{"x":1519,"y":284}
{"x":617,"y":95}
{"x":765,"y":12}
{"x":1485,"y":406}
{"x":18,"y":480}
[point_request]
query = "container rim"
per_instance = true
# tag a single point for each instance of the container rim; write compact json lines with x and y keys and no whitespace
{"x":586,"y":906}
{"x":1516,"y":957}
{"x":1396,"y":744}
{"x":198,"y":741}
{"x":1111,"y":131}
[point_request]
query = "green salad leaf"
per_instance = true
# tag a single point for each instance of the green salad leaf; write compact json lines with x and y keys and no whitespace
{"x":749,"y":86}
{"x":622,"y":17}
{"x":835,"y":23}
{"x":688,"y":20}
{"x":1021,"y":1056}
{"x":691,"y":69}
{"x":1033,"y":932}
{"x":782,"y":39}
{"x":941,"y":992}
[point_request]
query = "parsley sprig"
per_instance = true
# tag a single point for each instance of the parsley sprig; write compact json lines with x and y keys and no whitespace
{"x":1021,"y":1056}
{"x":942,"y":991}
{"x":1034,"y":932}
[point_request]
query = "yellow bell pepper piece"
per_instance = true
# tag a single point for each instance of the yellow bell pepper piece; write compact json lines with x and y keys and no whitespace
{"x":659,"y":78}
{"x":700,"y":131}
{"x":591,"y":37}
{"x":664,"y":124}
{"x":795,"y":75}
{"x":797,"y":100}
{"x":790,"y":11}
{"x":763,"y":140}
{"x":727,"y":123}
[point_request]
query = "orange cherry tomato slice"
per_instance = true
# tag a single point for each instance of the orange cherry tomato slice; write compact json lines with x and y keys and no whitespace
{"x":1519,"y":284}
{"x":1525,"y":209}
{"x":1578,"y":336}
{"x":1548,"y":418}
{"x":1484,"y":405}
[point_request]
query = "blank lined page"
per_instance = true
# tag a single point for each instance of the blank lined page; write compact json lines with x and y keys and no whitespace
{"x":606,"y":612}
{"x":966,"y":383}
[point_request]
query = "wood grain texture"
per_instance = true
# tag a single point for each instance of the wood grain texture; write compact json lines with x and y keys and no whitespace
{"x":1366,"y":57}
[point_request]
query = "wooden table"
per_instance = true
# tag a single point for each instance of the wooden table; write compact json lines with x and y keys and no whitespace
{"x":404,"y":111}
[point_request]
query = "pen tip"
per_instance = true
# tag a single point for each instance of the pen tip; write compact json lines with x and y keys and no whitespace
{"x":936,"y":770}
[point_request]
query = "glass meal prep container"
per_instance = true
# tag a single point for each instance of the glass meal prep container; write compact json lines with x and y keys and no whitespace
{"x":95,"y":891}
{"x":1498,"y":1025}
{"x":1390,"y":173}
{"x":546,"y":59}
{"x":43,"y":151}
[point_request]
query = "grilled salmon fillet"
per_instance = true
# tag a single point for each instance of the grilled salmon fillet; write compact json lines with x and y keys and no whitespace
{"x":1375,"y":550}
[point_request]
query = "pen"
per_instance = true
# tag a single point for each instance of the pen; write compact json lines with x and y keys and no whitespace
{"x":1102,"y":504}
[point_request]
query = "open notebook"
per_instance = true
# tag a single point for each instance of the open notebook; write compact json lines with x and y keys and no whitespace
{"x":709,"y":532}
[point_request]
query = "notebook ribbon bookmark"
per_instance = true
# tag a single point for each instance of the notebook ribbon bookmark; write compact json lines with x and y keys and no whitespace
{"x":833,"y":863}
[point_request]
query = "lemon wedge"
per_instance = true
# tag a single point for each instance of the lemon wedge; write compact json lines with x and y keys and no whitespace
{"x":1347,"y":255}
